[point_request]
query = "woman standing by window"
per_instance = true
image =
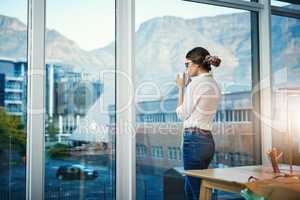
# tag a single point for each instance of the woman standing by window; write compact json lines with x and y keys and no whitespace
{"x":197,"y":106}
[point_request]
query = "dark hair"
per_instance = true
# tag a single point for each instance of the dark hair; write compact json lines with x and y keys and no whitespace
{"x":202,"y":57}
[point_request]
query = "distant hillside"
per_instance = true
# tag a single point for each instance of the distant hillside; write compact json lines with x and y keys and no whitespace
{"x":161,"y":45}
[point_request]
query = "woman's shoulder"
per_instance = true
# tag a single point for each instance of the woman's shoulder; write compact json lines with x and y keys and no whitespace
{"x":206,"y":83}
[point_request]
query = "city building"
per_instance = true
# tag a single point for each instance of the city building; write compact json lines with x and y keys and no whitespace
{"x":69,"y":94}
{"x":13,"y":83}
{"x":159,"y":131}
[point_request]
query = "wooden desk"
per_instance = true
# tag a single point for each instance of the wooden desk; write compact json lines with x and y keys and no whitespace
{"x":231,"y":179}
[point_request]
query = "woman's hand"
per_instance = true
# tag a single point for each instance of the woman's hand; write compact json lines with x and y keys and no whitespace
{"x":180,"y":80}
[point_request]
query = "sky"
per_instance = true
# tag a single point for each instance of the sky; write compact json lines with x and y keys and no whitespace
{"x":90,"y":23}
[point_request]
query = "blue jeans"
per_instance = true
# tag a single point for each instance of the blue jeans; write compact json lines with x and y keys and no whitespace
{"x":198,"y":151}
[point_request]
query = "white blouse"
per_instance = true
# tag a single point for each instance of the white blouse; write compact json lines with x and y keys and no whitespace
{"x":200,"y":103}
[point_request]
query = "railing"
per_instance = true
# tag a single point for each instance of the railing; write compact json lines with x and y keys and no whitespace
{"x":232,"y":159}
{"x":13,"y":98}
{"x":13,"y":86}
{"x":9,"y":110}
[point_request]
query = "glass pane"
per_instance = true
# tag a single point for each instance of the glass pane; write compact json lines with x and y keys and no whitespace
{"x":80,"y":77}
{"x":285,"y":4}
{"x":163,"y":37}
{"x":13,"y":98}
{"x":286,"y":86}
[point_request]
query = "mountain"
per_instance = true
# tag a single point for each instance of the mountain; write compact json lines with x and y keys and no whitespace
{"x":13,"y":40}
{"x":161,"y":45}
{"x":58,"y":47}
{"x":173,"y":37}
{"x":13,"y":37}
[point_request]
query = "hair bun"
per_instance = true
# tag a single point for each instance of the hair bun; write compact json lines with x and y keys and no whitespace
{"x":213,"y":60}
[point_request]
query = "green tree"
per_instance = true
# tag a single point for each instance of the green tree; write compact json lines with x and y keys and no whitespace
{"x":12,"y":133}
{"x":59,"y":151}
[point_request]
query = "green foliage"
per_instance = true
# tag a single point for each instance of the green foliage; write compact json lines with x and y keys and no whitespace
{"x":12,"y":133}
{"x":59,"y":151}
{"x":52,"y":130}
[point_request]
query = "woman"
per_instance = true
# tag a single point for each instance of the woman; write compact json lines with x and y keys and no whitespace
{"x":197,"y":107}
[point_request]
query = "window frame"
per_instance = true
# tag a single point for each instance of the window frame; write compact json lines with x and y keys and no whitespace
{"x":125,"y":143}
{"x":35,"y":100}
{"x":286,"y":12}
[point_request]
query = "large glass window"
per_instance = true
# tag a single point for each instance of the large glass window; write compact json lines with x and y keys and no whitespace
{"x":80,"y":84}
{"x":13,"y":98}
{"x":165,"y":32}
{"x":286,"y":86}
{"x":80,"y":92}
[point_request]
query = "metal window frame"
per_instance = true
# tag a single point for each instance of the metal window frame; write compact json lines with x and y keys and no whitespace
{"x":125,"y":143}
{"x":255,"y":71}
{"x":237,"y":4}
{"x":290,"y":1}
{"x":35,"y":103}
{"x":125,"y":118}
{"x":285,"y":12}
{"x":265,"y":84}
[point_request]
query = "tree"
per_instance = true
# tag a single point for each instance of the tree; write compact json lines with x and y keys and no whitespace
{"x":12,"y":133}
{"x":59,"y":151}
